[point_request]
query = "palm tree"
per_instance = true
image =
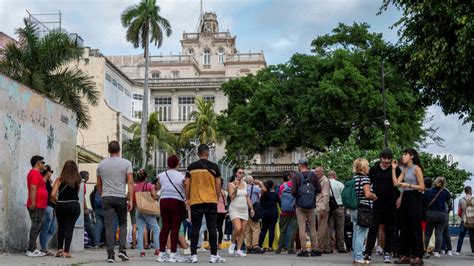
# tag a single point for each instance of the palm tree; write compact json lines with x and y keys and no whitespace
{"x":132,"y":152}
{"x":203,"y":129}
{"x":41,"y":64}
{"x":159,"y":138}
{"x":141,"y":21}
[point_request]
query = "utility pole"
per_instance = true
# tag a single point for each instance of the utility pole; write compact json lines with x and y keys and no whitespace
{"x":385,"y":121}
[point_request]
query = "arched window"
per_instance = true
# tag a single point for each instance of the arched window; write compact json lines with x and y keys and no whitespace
{"x":175,"y":74}
{"x":191,"y":51}
{"x":155,"y":74}
{"x":221,"y":55}
{"x":207,"y":56}
{"x":243,"y":72}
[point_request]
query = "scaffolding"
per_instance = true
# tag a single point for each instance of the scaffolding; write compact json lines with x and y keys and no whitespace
{"x":46,"y":22}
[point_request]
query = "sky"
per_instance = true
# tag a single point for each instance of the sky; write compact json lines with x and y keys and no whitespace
{"x":279,"y":28}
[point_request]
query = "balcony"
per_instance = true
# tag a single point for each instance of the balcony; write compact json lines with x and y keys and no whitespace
{"x":246,"y":57}
{"x":183,"y":82}
{"x":272,"y":170}
{"x":217,"y":35}
{"x":173,"y":59}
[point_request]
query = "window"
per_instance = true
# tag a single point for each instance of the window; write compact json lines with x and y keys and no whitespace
{"x":209,"y":99}
{"x":108,"y":77}
{"x":175,"y":74}
{"x":185,"y":107}
{"x":127,"y":93}
{"x":155,"y":74}
{"x":114,"y":82}
{"x":120,"y":87}
{"x":221,"y":55}
{"x":191,"y":51}
{"x":138,"y":97}
{"x":137,"y":114}
{"x":163,"y":107}
{"x":207,"y":56}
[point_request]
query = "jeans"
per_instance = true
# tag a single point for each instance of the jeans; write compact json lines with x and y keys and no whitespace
{"x":288,"y":230}
{"x":462,"y":233}
{"x":115,"y":207}
{"x":386,"y":217}
{"x":36,"y":217}
{"x":437,"y":221}
{"x":150,"y":220}
{"x":67,"y":213}
{"x":220,"y":226}
{"x":99,"y":225}
{"x":446,"y":244}
{"x":358,"y":237}
{"x":209,"y":211}
{"x":89,"y":227}
{"x":48,"y":228}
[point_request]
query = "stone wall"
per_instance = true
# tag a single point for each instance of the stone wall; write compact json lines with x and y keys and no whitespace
{"x":30,"y":124}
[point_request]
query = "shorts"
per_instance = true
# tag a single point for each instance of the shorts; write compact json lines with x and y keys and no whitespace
{"x":132,"y":216}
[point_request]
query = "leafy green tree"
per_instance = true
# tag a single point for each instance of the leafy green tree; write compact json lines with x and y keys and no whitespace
{"x":159,"y":138}
{"x":131,"y":151}
{"x":340,"y":156}
{"x":314,"y":99}
{"x":145,"y":25}
{"x":203,"y":128}
{"x":42,"y":64}
{"x":436,"y":52}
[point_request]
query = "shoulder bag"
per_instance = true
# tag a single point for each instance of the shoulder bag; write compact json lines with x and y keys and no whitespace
{"x":146,"y":204}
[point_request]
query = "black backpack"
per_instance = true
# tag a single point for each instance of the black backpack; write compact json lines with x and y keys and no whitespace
{"x":306,"y":192}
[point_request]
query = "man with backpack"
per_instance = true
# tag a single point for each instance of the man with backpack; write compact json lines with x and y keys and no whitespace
{"x":305,"y":187}
{"x":466,"y":212}
{"x":288,"y":221}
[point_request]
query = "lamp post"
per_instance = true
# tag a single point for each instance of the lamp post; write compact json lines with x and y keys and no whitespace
{"x":386,"y":123}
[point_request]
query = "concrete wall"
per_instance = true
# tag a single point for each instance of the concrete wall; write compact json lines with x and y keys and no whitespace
{"x":30,"y":124}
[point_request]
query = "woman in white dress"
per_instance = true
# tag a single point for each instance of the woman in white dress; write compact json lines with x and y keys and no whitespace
{"x":238,"y":211}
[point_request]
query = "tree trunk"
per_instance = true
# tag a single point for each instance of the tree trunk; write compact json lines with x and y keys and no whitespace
{"x":144,"y":133}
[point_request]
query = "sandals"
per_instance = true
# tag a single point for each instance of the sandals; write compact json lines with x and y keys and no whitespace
{"x":59,"y":254}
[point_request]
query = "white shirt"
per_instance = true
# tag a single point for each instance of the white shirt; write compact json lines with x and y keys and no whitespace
{"x":167,"y":189}
{"x":337,"y":188}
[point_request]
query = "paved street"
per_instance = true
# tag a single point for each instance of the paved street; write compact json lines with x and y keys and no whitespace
{"x":98,"y":258}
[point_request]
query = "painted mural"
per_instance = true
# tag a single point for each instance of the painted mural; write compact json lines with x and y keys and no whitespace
{"x":30,"y":124}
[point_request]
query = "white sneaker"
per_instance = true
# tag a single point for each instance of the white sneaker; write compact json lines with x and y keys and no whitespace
{"x":187,"y":251}
{"x":216,"y":259}
{"x":457,"y":253}
{"x":35,"y":253}
{"x":163,"y":257}
{"x":192,"y":259}
{"x":436,"y":255}
{"x":240,"y":253}
{"x":231,"y":249}
{"x":175,"y":257}
{"x":443,"y":252}
{"x":450,"y":253}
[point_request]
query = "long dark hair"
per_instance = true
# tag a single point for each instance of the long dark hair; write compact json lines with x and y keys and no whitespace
{"x":70,"y":175}
{"x":416,"y":158}
{"x":142,"y":175}
{"x":268,"y":185}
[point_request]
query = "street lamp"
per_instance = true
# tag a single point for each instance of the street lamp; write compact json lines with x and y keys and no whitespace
{"x":386,"y":123}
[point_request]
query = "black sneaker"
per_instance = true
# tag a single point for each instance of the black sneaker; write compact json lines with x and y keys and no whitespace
{"x":303,"y":253}
{"x":111,"y":258}
{"x":315,"y":253}
{"x":279,"y":250}
{"x":123,"y":255}
{"x":368,"y":258}
{"x":291,"y":251}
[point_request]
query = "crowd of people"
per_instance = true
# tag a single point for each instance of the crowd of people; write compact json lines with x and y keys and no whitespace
{"x":391,"y":203}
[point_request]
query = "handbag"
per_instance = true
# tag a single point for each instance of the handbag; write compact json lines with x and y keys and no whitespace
{"x":184,"y":214}
{"x":364,"y":216}
{"x":146,"y":204}
{"x":332,"y":200}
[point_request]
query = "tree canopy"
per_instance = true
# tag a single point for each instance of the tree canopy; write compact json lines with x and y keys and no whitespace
{"x":436,"y":51}
{"x":314,"y":99}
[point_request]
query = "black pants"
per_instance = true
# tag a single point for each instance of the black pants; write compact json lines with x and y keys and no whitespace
{"x":209,"y":211}
{"x":115,"y":207}
{"x":411,"y":209}
{"x":36,"y":217}
{"x":269,"y":220}
{"x":67,"y":214}
{"x":385,"y":216}
{"x":220,"y":226}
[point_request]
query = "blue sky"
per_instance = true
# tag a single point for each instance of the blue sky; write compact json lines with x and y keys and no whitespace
{"x":278,"y":27}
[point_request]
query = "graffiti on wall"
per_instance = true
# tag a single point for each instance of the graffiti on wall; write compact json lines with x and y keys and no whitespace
{"x":30,"y":124}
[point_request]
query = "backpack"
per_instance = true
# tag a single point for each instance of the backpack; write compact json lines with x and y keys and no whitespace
{"x":469,"y":214}
{"x":306,"y":192}
{"x":349,"y":196}
{"x":288,"y":201}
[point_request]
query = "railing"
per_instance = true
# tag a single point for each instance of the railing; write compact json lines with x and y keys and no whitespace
{"x":173,"y":59}
{"x":190,"y":36}
{"x":217,"y":35}
{"x":246,"y":57}
{"x":272,"y":168}
{"x":183,"y":82}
